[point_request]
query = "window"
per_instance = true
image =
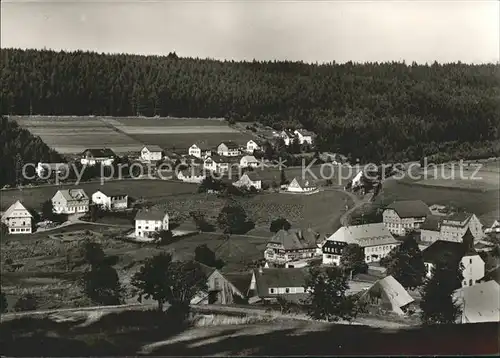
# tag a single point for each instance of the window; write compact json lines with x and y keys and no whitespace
{"x":216,"y":283}
{"x":465,"y":283}
{"x":470,"y":261}
{"x":470,"y":282}
{"x":271,"y":290}
{"x":287,"y":290}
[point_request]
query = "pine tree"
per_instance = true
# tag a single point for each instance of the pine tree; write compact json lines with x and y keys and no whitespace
{"x":438,"y":303}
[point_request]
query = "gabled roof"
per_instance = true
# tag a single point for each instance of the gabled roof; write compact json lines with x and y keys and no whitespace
{"x":492,"y":275}
{"x":460,"y":217}
{"x":305,"y":132}
{"x":218,"y":159}
{"x":192,"y":171}
{"x":230,"y":144}
{"x":303,"y":183}
{"x":480,"y":302}
{"x":278,"y":277}
{"x":253,"y":176}
{"x":16,"y":208}
{"x":153,"y":148}
{"x":364,"y":235}
{"x":240,"y":280}
{"x":249,"y":158}
{"x":110,"y":194}
{"x":442,"y":249}
{"x":293,"y":239}
{"x":73,"y":194}
{"x":100,"y":152}
{"x":150,"y":214}
{"x":410,"y":208}
{"x":392,"y":291}
{"x":432,"y":223}
{"x":256,"y":141}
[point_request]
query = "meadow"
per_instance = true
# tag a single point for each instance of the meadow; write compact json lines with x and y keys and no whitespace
{"x":71,"y":135}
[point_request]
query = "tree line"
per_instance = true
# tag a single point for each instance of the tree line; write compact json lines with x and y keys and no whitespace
{"x":372,"y":111}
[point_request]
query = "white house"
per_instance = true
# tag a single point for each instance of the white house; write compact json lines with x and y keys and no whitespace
{"x":228,"y":149}
{"x":375,"y":240}
{"x":18,"y":219}
{"x":148,"y":222}
{"x":247,"y":180}
{"x":109,"y":200}
{"x":216,"y":164}
{"x":191,"y":175}
{"x":450,"y":228}
{"x":291,"y":245}
{"x":299,"y":185}
{"x":151,"y":153}
{"x":70,"y":201}
{"x":303,"y":136}
{"x":249,"y":161}
{"x":252,"y":146}
{"x":103,"y":156}
{"x":456,"y":252}
{"x":198,"y":152}
{"x":479,"y":303}
{"x":45,"y":170}
{"x":287,"y":136}
{"x":401,"y":217}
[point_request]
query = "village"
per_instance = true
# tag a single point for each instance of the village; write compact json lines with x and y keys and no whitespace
{"x":366,"y":250}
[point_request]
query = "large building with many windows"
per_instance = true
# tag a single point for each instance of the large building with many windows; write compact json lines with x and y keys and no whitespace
{"x":18,"y":219}
{"x":375,"y":240}
{"x":401,"y":217}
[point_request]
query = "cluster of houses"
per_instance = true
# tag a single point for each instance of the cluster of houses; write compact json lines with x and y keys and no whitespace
{"x":455,"y":238}
{"x":301,"y":136}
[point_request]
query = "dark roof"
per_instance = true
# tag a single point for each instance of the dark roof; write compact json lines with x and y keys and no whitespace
{"x":253,"y":176}
{"x":492,"y":275}
{"x":410,"y":208}
{"x":332,"y":244}
{"x":240,"y":280}
{"x":207,"y":270}
{"x":294,"y":239}
{"x":149,"y":214}
{"x":100,"y":152}
{"x":441,"y":249}
{"x":432,"y":222}
{"x":153,"y":148}
{"x":278,"y":277}
{"x":230,"y":144}
{"x":458,"y":217}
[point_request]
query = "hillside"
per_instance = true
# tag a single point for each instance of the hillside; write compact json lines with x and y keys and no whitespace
{"x":411,"y":110}
{"x":19,"y":147}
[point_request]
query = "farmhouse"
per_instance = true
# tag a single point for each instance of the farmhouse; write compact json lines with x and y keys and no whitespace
{"x":479,"y":303}
{"x":148,"y":222}
{"x":110,"y":200}
{"x":271,"y":283}
{"x":217,"y":163}
{"x":46,"y":170}
{"x":191,"y":175}
{"x":151,"y":153}
{"x":228,"y":149}
{"x":18,"y":219}
{"x":375,"y":239}
{"x":252,"y":145}
{"x":70,"y":201}
{"x":455,"y":253}
{"x":389,"y":294}
{"x":103,"y":156}
{"x":299,"y":185}
{"x":291,"y":245}
{"x":400,"y":217}
{"x":199,"y":152}
{"x":220,"y":289}
{"x":248,"y":180}
{"x":303,"y":136}
{"x":249,"y":161}
{"x":450,"y":228}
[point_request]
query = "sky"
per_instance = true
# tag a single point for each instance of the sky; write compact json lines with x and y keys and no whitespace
{"x":309,"y":31}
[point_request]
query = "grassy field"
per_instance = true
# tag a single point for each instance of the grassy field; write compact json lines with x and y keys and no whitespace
{"x":466,"y":177}
{"x":145,"y":189}
{"x":480,"y":203}
{"x":319,"y":211}
{"x":70,"y":135}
